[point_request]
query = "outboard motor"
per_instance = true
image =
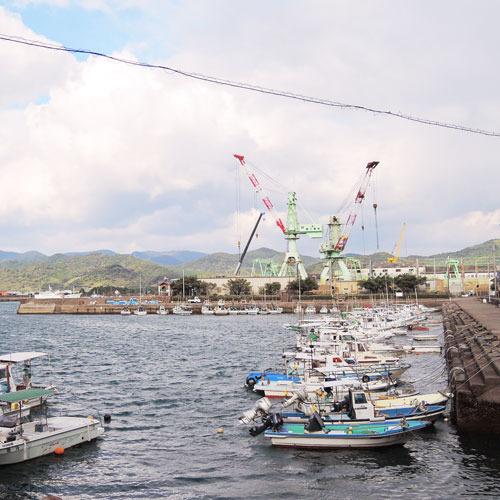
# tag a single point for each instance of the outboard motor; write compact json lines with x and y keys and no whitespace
{"x":337,"y":406}
{"x":300,"y":395}
{"x":261,"y":407}
{"x":252,"y":380}
{"x":315,"y":423}
{"x":328,"y":390}
{"x":274,"y":421}
{"x":345,"y":403}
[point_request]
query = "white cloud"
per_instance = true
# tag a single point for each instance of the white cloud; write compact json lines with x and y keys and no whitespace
{"x":117,"y":152}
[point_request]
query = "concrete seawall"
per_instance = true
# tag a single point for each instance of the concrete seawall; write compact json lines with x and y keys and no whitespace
{"x":472,"y":350}
{"x":87,"y":306}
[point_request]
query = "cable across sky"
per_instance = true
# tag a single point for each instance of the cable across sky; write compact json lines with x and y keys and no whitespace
{"x":247,"y":86}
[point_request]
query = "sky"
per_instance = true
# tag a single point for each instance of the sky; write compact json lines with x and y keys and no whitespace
{"x":97,"y":154}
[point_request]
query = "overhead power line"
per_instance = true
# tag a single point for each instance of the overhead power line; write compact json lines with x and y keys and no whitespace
{"x":247,"y":86}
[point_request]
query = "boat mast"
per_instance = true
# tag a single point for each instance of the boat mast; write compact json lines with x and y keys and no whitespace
{"x":183,"y":285}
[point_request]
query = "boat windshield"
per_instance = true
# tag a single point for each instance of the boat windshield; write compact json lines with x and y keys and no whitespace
{"x":359,"y":398}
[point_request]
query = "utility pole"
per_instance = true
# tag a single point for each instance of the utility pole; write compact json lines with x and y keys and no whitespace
{"x":477,"y":280}
{"x":448,"y":275}
{"x":494,"y":270}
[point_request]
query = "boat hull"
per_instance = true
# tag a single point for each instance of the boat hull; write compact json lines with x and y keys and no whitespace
{"x":437,"y":398}
{"x":343,"y":436}
{"x":431,"y":414}
{"x":64,"y":432}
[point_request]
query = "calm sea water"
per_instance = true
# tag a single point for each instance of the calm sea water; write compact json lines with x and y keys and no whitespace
{"x":170,"y":382}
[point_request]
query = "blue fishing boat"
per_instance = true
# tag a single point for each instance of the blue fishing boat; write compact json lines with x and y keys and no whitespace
{"x":318,"y":435}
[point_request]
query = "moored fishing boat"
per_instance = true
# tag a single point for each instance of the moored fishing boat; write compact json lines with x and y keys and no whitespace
{"x":317,"y":435}
{"x":11,"y":382}
{"x":423,"y":349}
{"x":140,"y":311}
{"x":207,"y":308}
{"x":275,"y":310}
{"x":221,"y":309}
{"x":162,"y":310}
{"x":23,"y":441}
{"x":182,"y":310}
{"x":386,"y":401}
{"x":355,"y":407}
{"x":252,"y":309}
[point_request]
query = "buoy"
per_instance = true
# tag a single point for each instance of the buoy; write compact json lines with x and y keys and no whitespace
{"x":59,"y":451}
{"x":220,"y":431}
{"x":107,"y":417}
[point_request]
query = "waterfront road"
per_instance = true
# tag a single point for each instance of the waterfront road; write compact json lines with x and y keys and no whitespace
{"x":486,"y":314}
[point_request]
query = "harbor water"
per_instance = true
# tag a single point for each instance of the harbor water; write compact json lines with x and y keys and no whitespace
{"x":170,"y":382}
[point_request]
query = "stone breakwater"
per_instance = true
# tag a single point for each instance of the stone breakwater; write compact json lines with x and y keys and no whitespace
{"x":472,"y":351}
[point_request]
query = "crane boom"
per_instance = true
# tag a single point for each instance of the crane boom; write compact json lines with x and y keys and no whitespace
{"x":258,"y":188}
{"x":396,"y":253}
{"x":360,"y":196}
{"x":247,"y":245}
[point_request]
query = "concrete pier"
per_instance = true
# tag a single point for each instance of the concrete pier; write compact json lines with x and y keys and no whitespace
{"x":88,"y":306}
{"x":472,"y":350}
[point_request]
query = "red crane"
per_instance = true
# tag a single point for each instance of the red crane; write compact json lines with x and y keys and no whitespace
{"x":346,"y":230}
{"x":262,"y":193}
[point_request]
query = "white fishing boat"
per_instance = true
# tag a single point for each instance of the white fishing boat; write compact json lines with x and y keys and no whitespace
{"x":182,"y":310}
{"x":162,"y":310}
{"x":125,"y":311}
{"x":275,"y":310}
{"x":140,"y":311}
{"x":310,"y":310}
{"x":323,"y":310}
{"x":422,"y":349}
{"x":23,"y":441}
{"x":252,"y":309}
{"x":221,"y":309}
{"x":340,"y":387}
{"x":207,"y":308}
{"x":435,"y":398}
{"x":14,"y":378}
{"x":424,"y":338}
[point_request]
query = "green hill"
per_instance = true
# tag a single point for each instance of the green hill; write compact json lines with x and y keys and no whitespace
{"x":470,"y":254}
{"x":224,"y":264}
{"x":62,"y":271}
{"x":77,"y":271}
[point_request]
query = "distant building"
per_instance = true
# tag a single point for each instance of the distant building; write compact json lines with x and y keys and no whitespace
{"x":256,"y":282}
{"x":165,"y":287}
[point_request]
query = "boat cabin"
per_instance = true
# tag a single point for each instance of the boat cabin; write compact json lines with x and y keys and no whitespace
{"x":360,"y":407}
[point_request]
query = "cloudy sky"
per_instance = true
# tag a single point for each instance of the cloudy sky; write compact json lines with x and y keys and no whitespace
{"x":97,"y":154}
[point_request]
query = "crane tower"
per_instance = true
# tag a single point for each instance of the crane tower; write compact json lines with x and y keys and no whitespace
{"x":338,"y":234}
{"x":292,"y":264}
{"x":292,"y":261}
